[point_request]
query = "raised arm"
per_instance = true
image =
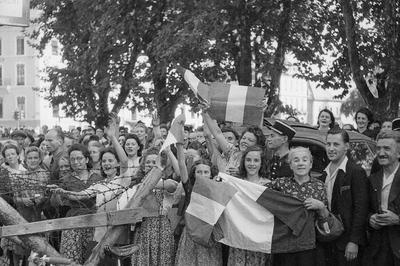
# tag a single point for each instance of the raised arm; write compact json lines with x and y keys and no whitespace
{"x":215,"y":131}
{"x":173,"y":160}
{"x":112,"y":131}
{"x":155,"y":122}
{"x":179,"y":123}
{"x":73,"y":195}
{"x":209,"y":141}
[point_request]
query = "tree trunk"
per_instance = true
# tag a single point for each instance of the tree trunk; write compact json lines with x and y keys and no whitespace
{"x":166,"y":103}
{"x":114,"y":232}
{"x":279,"y":59}
{"x":244,"y":61}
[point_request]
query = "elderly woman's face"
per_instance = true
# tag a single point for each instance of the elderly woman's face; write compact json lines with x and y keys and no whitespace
{"x":301,"y":163}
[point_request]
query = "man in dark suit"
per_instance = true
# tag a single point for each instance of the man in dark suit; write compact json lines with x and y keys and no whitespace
{"x":384,"y":194}
{"x":347,"y":192}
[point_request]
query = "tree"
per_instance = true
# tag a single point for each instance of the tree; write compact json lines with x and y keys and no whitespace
{"x":360,"y":41}
{"x":385,"y":55}
{"x":104,"y":50}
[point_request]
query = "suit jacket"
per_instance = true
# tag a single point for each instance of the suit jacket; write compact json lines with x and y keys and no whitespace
{"x":350,"y":204}
{"x":393,"y":232}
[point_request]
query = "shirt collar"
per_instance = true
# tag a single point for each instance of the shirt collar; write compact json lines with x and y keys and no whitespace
{"x":342,"y":166}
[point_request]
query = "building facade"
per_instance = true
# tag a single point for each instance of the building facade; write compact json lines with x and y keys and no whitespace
{"x":18,"y":79}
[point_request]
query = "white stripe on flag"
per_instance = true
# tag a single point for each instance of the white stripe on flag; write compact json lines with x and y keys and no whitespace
{"x":168,"y":141}
{"x":241,"y":212}
{"x":252,"y":190}
{"x":236,"y":102}
{"x":192,"y":80}
{"x":204,"y":208}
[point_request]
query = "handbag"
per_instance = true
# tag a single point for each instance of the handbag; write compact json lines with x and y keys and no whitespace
{"x":329,"y":228}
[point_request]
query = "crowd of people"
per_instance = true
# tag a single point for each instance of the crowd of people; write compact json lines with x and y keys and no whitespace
{"x":65,"y":174}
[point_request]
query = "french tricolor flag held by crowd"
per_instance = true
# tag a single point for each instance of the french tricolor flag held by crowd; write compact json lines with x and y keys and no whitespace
{"x":228,"y":102}
{"x":245,"y":215}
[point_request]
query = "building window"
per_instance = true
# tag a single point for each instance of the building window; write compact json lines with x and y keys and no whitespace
{"x":1,"y":75}
{"x":20,"y":46}
{"x":1,"y":107}
{"x":20,"y":74}
{"x":54,"y":47}
{"x":21,"y":103}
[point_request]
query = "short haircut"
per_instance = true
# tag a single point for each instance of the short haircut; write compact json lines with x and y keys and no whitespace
{"x":389,"y":134}
{"x":293,"y":150}
{"x":59,"y":133}
{"x":342,"y":132}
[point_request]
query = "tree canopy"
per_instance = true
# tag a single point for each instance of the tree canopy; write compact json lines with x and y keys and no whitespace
{"x":122,"y":53}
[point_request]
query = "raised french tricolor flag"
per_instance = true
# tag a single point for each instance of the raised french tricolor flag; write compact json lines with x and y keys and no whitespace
{"x":228,"y":102}
{"x":248,"y":216}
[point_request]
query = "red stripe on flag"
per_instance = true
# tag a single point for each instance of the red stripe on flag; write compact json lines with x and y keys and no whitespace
{"x":219,"y":93}
{"x":253,"y":108}
{"x":294,"y":228}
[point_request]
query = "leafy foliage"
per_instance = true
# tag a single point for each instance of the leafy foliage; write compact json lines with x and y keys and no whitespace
{"x":123,"y":52}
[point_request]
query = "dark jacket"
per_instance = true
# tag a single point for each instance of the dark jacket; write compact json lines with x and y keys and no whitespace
{"x":393,"y":231}
{"x":350,"y":204}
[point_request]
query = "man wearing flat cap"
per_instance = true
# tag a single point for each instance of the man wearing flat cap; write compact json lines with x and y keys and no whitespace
{"x":278,"y":142}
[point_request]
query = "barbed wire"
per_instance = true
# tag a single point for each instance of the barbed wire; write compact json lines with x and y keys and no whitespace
{"x":16,"y":184}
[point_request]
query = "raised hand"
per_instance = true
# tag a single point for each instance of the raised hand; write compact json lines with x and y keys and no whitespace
{"x":112,"y":127}
{"x":155,"y":119}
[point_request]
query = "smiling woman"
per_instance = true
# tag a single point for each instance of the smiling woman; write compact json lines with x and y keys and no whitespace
{"x":326,"y":120}
{"x":307,"y":189}
{"x":253,"y":169}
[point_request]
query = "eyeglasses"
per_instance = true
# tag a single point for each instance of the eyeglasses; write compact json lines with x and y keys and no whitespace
{"x":77,"y":159}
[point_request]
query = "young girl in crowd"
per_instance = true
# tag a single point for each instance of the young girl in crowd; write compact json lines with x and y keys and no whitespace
{"x":252,"y":168}
{"x":189,"y":252}
{"x":133,"y":148}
